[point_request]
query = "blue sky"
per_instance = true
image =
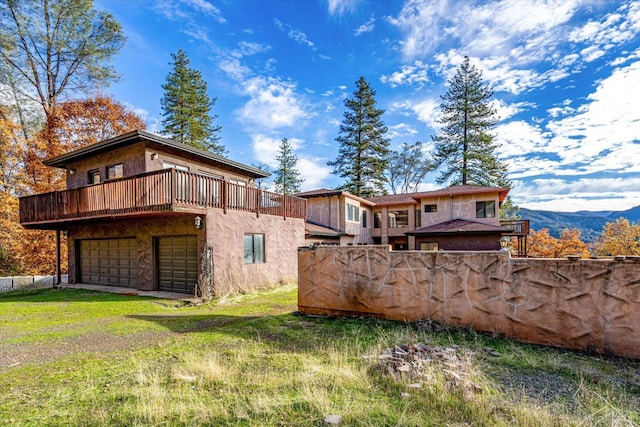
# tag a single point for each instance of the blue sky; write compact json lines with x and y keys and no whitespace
{"x":565,"y":74}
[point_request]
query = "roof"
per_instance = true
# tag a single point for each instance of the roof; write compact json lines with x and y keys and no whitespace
{"x":324,"y":192}
{"x":458,"y":226}
{"x":312,"y":229}
{"x":139,"y":136}
{"x":456,"y":190}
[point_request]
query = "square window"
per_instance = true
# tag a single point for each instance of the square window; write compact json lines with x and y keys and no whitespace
{"x":94,"y":176}
{"x":398,"y":219}
{"x":486,"y":209}
{"x":254,"y":248}
{"x":114,"y":171}
{"x":430,"y":208}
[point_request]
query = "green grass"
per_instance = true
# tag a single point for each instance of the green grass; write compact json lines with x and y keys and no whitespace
{"x":73,"y":357}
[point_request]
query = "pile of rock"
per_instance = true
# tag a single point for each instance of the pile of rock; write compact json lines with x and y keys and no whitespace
{"x":421,"y":364}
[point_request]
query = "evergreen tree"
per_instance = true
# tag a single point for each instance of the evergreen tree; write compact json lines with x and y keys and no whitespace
{"x":364,"y":150}
{"x":465,"y":148}
{"x":287,"y":177}
{"x":186,"y":108}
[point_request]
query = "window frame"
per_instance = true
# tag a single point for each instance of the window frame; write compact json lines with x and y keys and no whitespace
{"x":431,"y":208}
{"x":353,"y":213}
{"x":482,"y":209}
{"x":251,"y":255}
{"x":94,"y":173}
{"x":377,"y":219}
{"x":115,"y":167}
{"x":392,"y":221}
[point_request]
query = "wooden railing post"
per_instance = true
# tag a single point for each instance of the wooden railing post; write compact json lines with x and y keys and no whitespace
{"x":259,"y":201}
{"x":225,"y":190}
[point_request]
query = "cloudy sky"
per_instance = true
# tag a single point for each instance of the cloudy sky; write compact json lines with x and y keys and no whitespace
{"x":565,"y":75}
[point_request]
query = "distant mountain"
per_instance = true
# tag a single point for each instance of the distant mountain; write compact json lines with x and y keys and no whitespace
{"x":589,"y":223}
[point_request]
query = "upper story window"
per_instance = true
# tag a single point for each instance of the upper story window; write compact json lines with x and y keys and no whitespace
{"x":364,"y":219}
{"x":430,"y":208}
{"x":418,"y":218}
{"x":377,"y":219}
{"x":114,"y":171}
{"x":398,"y":219}
{"x":94,"y":176}
{"x":353,"y":213}
{"x":486,"y":209}
{"x":169,"y":165}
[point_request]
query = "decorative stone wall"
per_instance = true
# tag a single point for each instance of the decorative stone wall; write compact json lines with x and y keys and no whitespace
{"x":20,"y":283}
{"x":582,"y":304}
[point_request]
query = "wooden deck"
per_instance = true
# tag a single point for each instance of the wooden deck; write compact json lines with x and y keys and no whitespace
{"x":161,"y":192}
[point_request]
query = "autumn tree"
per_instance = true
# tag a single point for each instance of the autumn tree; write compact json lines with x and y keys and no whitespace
{"x":465,"y":148}
{"x":187,"y":108}
{"x":542,"y":245}
{"x":619,"y":238}
{"x":287,"y":176}
{"x":407,"y":168}
{"x":363,"y":154}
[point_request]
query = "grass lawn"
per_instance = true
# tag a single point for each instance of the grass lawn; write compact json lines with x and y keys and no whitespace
{"x":75,"y":357}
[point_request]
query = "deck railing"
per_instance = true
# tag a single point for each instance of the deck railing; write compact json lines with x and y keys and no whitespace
{"x":520,"y":227}
{"x":167,"y":190}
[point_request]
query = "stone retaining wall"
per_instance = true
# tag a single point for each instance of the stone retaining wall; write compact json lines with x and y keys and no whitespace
{"x":578,"y":304}
{"x":18,"y":283}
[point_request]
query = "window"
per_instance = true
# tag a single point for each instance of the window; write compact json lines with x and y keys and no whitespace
{"x":377,"y":219}
{"x":364,"y":219}
{"x":114,"y":171}
{"x":486,"y":209}
{"x":431,"y":208}
{"x":94,"y":176}
{"x":428,"y":246}
{"x":353,"y":213}
{"x":418,"y":218}
{"x":398,"y":219}
{"x":253,"y":248}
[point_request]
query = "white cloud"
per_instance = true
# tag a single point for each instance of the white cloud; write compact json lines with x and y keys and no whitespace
{"x":409,"y":74}
{"x":273,"y":104}
{"x":294,"y":34}
{"x":339,"y":7}
{"x":427,"y":110}
{"x":365,"y":28}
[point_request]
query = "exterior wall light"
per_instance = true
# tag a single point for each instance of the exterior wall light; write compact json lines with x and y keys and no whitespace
{"x":504,"y":243}
{"x":198,"y":222}
{"x":154,"y":156}
{"x":72,"y":171}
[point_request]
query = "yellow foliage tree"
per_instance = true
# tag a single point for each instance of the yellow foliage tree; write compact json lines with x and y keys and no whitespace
{"x":542,"y":245}
{"x":619,"y":238}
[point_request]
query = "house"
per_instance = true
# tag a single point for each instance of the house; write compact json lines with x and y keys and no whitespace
{"x":145,"y":212}
{"x":462,"y":217}
{"x":336,"y":217}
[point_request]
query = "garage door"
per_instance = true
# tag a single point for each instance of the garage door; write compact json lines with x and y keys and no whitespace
{"x":177,"y":263}
{"x":110,"y":262}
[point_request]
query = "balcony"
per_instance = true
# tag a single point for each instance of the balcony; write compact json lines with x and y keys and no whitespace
{"x":520,"y":227}
{"x":161,"y":192}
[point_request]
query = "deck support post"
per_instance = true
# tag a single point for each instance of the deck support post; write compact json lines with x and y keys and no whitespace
{"x":58,"y":267}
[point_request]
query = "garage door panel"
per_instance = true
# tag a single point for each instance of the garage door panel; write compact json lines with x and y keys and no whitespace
{"x":177,"y":263}
{"x":108,"y":262}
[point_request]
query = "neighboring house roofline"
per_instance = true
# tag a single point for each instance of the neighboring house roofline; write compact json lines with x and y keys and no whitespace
{"x":324,"y":192}
{"x":315,"y":229}
{"x":456,"y":190}
{"x":139,"y":135}
{"x":458,"y":226}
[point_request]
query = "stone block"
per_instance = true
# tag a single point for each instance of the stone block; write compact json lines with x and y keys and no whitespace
{"x":6,"y":283}
{"x":22,"y":282}
{"x":43,"y":281}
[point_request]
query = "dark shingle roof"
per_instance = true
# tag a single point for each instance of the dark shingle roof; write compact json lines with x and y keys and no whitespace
{"x":458,"y":226}
{"x":456,"y":190}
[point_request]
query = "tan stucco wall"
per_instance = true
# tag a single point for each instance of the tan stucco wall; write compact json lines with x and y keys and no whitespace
{"x":460,"y":206}
{"x":331,"y":212}
{"x":131,"y":157}
{"x":282,"y":240}
{"x":584,"y":304}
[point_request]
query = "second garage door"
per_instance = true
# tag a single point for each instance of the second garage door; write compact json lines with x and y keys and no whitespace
{"x":177,"y":263}
{"x":109,"y":262}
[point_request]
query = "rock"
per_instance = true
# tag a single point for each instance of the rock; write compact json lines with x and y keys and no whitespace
{"x":415,"y":385}
{"x":333,"y":420}
{"x":405,"y":395}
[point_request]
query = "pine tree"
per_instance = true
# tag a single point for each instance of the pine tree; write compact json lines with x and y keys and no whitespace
{"x":287,"y":177}
{"x":465,"y":148}
{"x":364,"y":150}
{"x":186,"y":108}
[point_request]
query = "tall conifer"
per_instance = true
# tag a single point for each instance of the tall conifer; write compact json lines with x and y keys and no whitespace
{"x":364,"y":149}
{"x":186,"y":108}
{"x":287,"y":177}
{"x":464,"y":149}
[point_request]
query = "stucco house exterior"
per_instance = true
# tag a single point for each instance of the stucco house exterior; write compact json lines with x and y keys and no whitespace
{"x":142,"y":211}
{"x":462,"y":217}
{"x":336,"y":217}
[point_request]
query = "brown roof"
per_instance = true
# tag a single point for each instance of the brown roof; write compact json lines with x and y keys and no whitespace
{"x":312,"y":229}
{"x":458,"y":226}
{"x":456,"y":190}
{"x":324,"y":192}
